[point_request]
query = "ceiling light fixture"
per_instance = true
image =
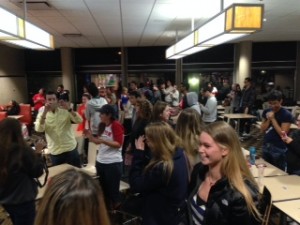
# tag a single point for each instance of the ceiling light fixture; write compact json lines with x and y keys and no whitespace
{"x":236,"y":21}
{"x":17,"y":31}
{"x":72,"y":35}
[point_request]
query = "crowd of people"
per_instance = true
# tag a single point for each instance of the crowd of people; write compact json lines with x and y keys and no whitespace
{"x":186,"y":171}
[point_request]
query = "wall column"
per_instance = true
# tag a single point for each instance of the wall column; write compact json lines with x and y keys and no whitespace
{"x":297,"y":74}
{"x":124,"y":66}
{"x":242,"y":61}
{"x":68,"y":77}
{"x":178,"y":72}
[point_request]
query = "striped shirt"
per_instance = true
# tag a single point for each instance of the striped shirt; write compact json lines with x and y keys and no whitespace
{"x":198,"y":210}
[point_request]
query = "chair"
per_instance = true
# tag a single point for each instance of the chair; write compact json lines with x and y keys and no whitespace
{"x":91,"y":161}
{"x":25,"y":111}
{"x":3,"y":115}
{"x":265,"y":205}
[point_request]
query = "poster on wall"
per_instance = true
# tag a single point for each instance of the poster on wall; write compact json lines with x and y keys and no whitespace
{"x":106,"y":80}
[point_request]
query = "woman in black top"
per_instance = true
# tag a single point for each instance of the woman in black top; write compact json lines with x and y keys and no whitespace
{"x":293,"y":153}
{"x":222,"y":188}
{"x":13,"y":108}
{"x":19,"y":165}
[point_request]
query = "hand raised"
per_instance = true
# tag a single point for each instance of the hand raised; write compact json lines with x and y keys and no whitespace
{"x":140,"y":143}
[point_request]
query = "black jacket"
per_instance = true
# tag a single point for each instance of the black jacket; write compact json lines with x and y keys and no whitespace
{"x":225,"y":205}
{"x":247,"y":99}
{"x":19,"y":186}
{"x":293,"y":153}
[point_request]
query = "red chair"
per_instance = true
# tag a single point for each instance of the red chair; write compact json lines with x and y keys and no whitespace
{"x":25,"y":111}
{"x":3,"y":115}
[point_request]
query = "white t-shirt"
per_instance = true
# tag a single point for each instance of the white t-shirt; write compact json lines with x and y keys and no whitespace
{"x":107,"y":154}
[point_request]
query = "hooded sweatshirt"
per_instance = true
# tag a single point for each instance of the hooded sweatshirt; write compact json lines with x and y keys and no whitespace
{"x":192,"y":101}
{"x":92,"y":114}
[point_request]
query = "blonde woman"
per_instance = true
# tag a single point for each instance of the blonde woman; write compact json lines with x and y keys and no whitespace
{"x":223,"y":190}
{"x":72,"y":197}
{"x":163,"y":182}
{"x":188,"y":128}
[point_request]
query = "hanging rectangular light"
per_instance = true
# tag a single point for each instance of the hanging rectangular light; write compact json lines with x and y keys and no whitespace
{"x":16,"y":31}
{"x":235,"y":22}
{"x":184,"y":47}
{"x":8,"y":25}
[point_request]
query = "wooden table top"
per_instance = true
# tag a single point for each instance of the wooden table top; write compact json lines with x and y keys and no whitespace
{"x":54,"y":170}
{"x":293,"y":126}
{"x":238,"y":116}
{"x":269,"y":170}
{"x":290,"y":208}
{"x":15,"y":116}
{"x":220,"y":107}
{"x":283,"y":188}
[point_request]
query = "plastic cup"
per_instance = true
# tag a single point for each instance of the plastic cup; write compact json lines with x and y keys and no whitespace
{"x":261,"y":169}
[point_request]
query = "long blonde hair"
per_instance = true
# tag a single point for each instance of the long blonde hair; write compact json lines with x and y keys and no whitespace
{"x":188,"y":128}
{"x":234,"y":165}
{"x":72,"y":197}
{"x":163,"y":145}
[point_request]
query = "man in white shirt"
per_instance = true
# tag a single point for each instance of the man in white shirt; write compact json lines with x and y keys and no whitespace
{"x":167,"y":91}
{"x":209,"y":111}
{"x":175,"y":96}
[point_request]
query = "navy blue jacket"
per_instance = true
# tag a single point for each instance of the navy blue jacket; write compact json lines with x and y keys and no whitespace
{"x":161,"y":199}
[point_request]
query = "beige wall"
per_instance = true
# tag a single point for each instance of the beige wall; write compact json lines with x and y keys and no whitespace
{"x":13,"y":84}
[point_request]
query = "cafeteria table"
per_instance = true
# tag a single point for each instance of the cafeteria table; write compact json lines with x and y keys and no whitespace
{"x":238,"y":117}
{"x":17,"y":117}
{"x":54,"y":170}
{"x":282,"y":188}
{"x":269,"y":170}
{"x":289,"y":208}
{"x":292,"y":127}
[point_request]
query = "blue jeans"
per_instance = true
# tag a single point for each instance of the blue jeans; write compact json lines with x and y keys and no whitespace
{"x":274,"y":155}
{"x":71,"y":157}
{"x":110,"y":177}
{"x":21,"y":214}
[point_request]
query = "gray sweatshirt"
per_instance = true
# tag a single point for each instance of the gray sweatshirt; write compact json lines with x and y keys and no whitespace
{"x":92,"y":114}
{"x":210,"y":110}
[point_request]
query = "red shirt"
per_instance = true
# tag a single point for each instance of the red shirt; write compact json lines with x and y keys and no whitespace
{"x":81,"y":112}
{"x":39,"y":101}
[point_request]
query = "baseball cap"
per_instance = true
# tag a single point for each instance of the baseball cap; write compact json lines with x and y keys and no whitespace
{"x":107,"y":109}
